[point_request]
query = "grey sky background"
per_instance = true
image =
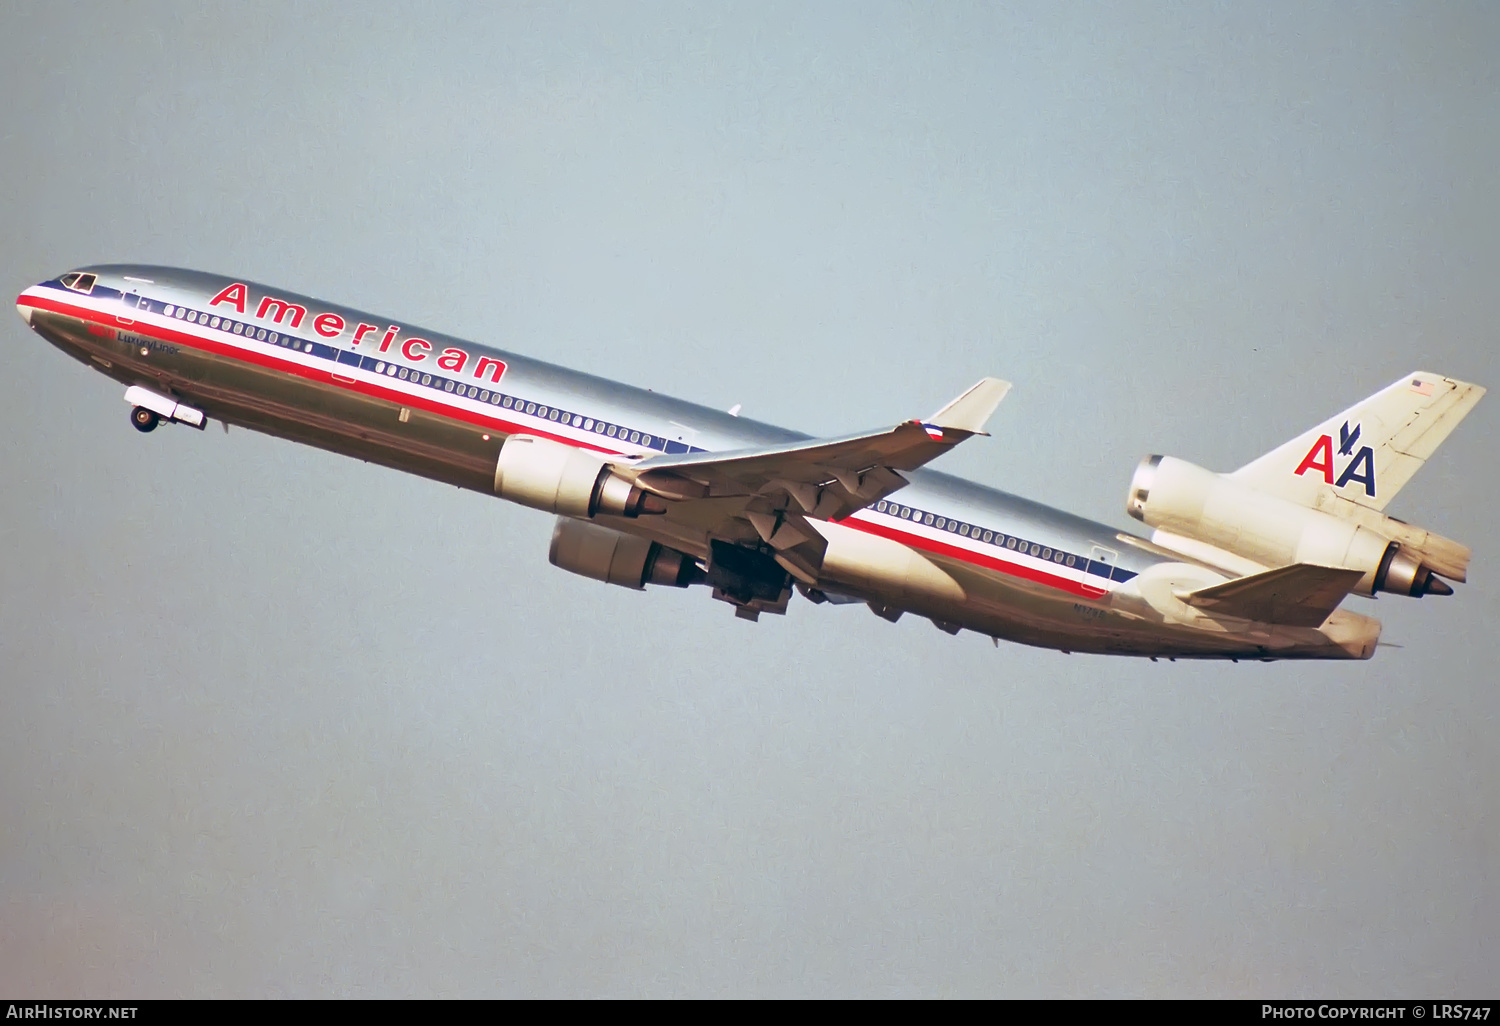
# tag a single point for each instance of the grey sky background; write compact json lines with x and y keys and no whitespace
{"x":275,"y":722}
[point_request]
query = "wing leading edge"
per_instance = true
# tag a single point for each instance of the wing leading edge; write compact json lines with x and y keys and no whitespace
{"x":777,"y":489}
{"x":1299,"y":595}
{"x":827,"y":478}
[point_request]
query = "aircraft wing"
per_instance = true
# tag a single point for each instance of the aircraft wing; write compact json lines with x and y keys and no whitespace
{"x":1299,"y":595}
{"x":771,"y":493}
{"x":827,"y":478}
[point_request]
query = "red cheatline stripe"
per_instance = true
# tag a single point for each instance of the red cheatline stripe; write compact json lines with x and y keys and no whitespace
{"x":917,"y":541}
{"x":319,"y":374}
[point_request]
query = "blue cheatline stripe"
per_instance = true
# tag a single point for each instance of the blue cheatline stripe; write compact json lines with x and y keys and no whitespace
{"x":1001,"y":541}
{"x":437,"y":382}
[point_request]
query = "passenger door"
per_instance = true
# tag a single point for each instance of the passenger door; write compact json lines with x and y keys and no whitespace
{"x":1102,"y":561}
{"x":132,"y":302}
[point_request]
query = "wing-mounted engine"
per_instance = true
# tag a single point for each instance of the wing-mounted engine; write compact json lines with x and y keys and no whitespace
{"x":747,"y":578}
{"x":548,"y":475}
{"x":1196,"y":511}
{"x":615,"y":557}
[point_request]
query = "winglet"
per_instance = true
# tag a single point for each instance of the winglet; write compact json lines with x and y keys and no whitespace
{"x":970,"y":411}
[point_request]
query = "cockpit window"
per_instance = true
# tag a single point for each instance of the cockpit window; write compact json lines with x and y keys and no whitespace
{"x":69,"y":279}
{"x":79,"y":282}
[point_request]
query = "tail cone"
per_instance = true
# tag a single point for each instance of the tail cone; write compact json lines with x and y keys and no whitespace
{"x":1437,"y":586}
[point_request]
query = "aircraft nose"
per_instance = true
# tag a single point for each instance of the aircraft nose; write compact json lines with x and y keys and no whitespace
{"x":23,"y":309}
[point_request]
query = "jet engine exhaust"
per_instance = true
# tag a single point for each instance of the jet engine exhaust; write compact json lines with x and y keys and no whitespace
{"x":1401,"y":574}
{"x":1437,"y":586}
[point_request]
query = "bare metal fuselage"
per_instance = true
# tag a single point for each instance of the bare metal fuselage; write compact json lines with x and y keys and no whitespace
{"x":966,"y":556}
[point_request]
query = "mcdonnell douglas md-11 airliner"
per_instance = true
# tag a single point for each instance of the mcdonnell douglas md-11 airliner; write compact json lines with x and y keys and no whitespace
{"x":652,"y":491}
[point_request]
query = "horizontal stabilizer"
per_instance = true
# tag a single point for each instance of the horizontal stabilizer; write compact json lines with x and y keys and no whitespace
{"x":970,"y":411}
{"x":1300,"y":595}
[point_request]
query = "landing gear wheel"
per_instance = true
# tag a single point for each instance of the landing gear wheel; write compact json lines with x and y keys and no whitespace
{"x":144,"y":419}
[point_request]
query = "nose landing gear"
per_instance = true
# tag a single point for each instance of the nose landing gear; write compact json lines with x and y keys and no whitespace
{"x":148,"y":409}
{"x":144,"y":419}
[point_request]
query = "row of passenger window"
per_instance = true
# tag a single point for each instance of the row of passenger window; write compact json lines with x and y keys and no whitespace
{"x":435,"y":381}
{"x":600,"y":427}
{"x":963,"y":530}
{"x":182,"y":313}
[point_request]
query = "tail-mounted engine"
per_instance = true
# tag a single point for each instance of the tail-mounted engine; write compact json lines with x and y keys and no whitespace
{"x":572,"y":482}
{"x":1179,"y":498}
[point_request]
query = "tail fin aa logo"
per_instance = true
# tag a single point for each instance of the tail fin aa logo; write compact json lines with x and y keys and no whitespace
{"x":1360,"y":468}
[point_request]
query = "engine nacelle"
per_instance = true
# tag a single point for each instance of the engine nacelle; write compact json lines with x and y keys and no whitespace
{"x":615,"y":557}
{"x":1181,"y":498}
{"x":558,"y":478}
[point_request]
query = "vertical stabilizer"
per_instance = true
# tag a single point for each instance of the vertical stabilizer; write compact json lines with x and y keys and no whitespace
{"x":1367,"y":453}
